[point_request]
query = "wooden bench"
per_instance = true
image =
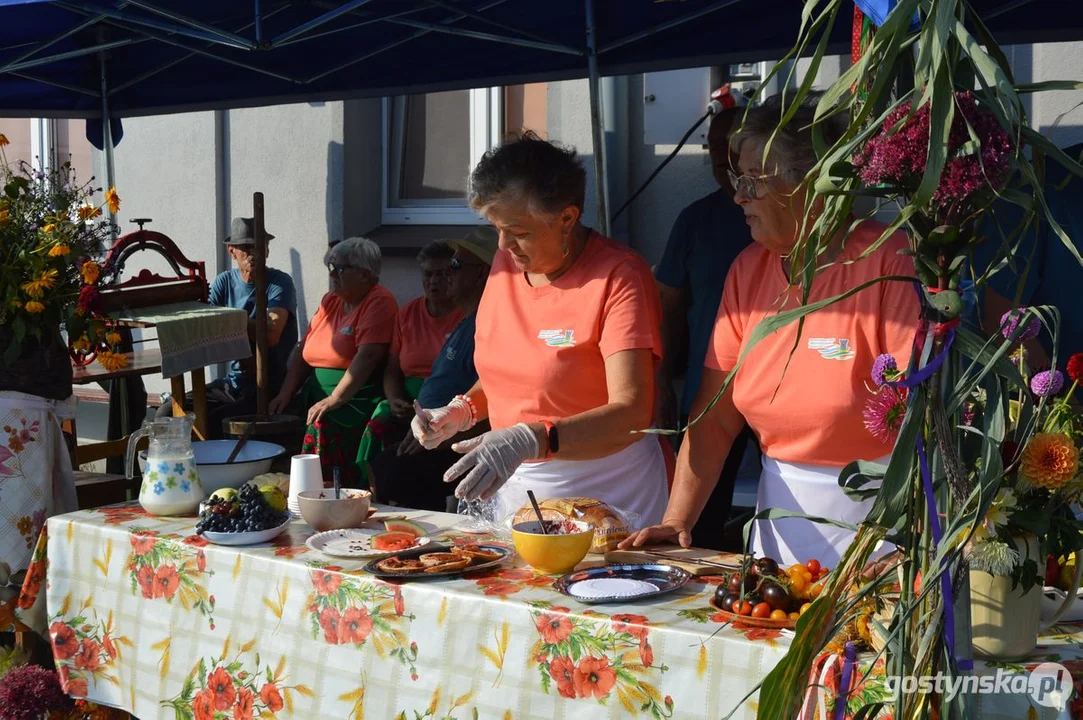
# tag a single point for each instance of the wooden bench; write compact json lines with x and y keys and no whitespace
{"x":98,"y":489}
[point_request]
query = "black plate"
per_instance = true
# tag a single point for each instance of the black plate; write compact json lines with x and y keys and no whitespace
{"x":505,"y":553}
{"x":665,"y":578}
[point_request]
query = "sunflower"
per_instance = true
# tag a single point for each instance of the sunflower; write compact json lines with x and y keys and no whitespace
{"x":112,"y":338}
{"x":90,"y":271}
{"x":1049,"y":460}
{"x":34,"y":307}
{"x":88,"y":212}
{"x":113,"y":200}
{"x":37,"y":288}
{"x":59,"y":250}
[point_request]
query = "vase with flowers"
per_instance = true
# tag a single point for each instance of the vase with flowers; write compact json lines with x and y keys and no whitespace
{"x":52,"y":236}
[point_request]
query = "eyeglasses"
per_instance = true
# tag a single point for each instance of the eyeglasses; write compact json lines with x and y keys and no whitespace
{"x":752,"y":186}
{"x":339,"y":268}
{"x":457,"y":264}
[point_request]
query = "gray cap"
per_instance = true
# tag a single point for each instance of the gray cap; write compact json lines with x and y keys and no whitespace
{"x":243,"y":232}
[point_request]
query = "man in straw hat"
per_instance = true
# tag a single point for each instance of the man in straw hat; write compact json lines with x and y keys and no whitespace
{"x":409,"y":474}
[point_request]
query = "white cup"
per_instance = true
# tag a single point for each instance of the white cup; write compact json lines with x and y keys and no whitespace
{"x":306,"y":473}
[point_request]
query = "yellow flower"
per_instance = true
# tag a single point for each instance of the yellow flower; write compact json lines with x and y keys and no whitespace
{"x":87,"y":212}
{"x":82,"y":344}
{"x":113,"y":200}
{"x":34,"y":307}
{"x":5,"y":217}
{"x":16,"y":304}
{"x":4,"y":140}
{"x":48,"y":228}
{"x":90,"y":271}
{"x":59,"y":250}
{"x":112,"y":360}
{"x":36,"y":288}
{"x":1049,"y":460}
{"x":112,"y":338}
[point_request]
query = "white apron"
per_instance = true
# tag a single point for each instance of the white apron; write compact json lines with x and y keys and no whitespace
{"x":632,"y":480}
{"x":36,"y":480}
{"x":810,"y":490}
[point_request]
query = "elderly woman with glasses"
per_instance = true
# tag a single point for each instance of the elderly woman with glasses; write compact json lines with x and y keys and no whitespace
{"x":336,"y":364}
{"x":566,"y":347}
{"x":423,"y":325}
{"x":803,"y":395}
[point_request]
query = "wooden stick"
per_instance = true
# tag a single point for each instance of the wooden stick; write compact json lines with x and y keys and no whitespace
{"x":199,"y":401}
{"x":259,"y":271}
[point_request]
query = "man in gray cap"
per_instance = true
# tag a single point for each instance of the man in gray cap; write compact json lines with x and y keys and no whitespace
{"x":235,"y":394}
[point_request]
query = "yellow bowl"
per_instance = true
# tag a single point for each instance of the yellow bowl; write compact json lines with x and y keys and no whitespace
{"x":551,"y":554}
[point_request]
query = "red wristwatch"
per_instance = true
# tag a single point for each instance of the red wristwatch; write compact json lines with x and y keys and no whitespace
{"x":552,"y":437}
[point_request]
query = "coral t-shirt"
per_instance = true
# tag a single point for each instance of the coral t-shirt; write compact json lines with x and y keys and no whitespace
{"x":419,"y":336}
{"x":540,"y":351}
{"x":334,"y":335}
{"x":816,"y":415}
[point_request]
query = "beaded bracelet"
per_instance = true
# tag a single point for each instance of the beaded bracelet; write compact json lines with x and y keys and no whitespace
{"x":473,"y":409}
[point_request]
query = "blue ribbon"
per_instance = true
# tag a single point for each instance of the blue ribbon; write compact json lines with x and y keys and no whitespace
{"x":849,"y":655}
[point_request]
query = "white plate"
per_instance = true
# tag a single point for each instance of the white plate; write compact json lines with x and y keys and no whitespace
{"x":611,"y":588}
{"x":353,"y":543}
{"x":247,"y":538}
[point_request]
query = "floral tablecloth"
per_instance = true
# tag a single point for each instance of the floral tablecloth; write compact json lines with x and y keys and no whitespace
{"x":145,"y":616}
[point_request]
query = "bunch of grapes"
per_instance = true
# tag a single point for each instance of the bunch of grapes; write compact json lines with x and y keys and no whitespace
{"x":247,"y":512}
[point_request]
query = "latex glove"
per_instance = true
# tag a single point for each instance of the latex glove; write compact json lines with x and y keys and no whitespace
{"x":490,"y":460}
{"x":432,"y":427}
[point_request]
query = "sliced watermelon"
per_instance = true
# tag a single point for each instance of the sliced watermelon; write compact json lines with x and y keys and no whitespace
{"x":404,"y":526}
{"x":393,"y":541}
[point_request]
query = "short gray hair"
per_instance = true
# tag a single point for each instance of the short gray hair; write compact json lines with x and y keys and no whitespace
{"x":360,"y":252}
{"x":544,"y":175}
{"x":791,"y":147}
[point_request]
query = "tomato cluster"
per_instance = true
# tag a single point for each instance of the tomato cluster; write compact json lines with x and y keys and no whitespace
{"x":761,"y":589}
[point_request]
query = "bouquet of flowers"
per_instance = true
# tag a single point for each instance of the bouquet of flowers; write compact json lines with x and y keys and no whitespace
{"x":52,"y":235}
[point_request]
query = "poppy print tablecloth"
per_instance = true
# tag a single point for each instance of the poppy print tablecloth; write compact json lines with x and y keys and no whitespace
{"x":146,"y":616}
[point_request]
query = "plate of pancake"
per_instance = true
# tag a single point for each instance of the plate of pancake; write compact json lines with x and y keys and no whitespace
{"x":439,"y":561}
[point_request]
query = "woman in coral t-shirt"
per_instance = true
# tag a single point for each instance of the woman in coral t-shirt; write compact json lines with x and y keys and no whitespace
{"x":566,"y":347}
{"x":804,"y":395}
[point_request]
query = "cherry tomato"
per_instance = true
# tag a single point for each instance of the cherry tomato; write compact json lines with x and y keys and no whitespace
{"x":798,"y":583}
{"x":794,"y":615}
{"x":763,"y":610}
{"x":815,"y":590}
{"x":794,"y":568}
{"x":813,"y":566}
{"x":804,"y":608}
{"x":743,"y":607}
{"x":824,"y":572}
{"x":778,"y":614}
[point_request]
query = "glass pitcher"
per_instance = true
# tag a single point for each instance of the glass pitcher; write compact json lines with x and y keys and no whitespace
{"x":170,"y":481}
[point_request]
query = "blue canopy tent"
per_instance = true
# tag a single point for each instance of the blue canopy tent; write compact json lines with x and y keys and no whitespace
{"x":102,"y":59}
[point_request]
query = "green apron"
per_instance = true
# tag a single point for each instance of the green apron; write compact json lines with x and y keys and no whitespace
{"x":337,"y":436}
{"x":382,"y":422}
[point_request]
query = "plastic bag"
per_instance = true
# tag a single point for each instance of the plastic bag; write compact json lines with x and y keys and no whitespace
{"x":611,"y":525}
{"x":480,"y":517}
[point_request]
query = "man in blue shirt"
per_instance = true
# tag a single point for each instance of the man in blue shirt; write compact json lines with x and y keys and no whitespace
{"x":410,"y":475}
{"x":1045,"y":271}
{"x":235,"y":394}
{"x":706,"y":238}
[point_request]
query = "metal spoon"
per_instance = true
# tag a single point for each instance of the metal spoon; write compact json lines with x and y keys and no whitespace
{"x":240,"y":443}
{"x":537,"y":511}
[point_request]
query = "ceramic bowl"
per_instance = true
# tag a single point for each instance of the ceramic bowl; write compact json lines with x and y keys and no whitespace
{"x":551,"y":554}
{"x":323,"y":512}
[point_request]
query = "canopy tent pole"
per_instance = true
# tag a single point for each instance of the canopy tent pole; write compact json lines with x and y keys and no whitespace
{"x":601,"y":179}
{"x":107,"y":144}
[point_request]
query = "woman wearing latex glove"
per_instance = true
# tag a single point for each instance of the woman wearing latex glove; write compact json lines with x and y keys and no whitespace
{"x":566,"y":348}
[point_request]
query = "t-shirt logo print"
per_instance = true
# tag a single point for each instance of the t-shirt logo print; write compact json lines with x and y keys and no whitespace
{"x":558,"y":338}
{"x":832,"y":348}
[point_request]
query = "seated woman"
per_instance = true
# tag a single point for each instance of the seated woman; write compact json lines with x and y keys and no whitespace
{"x":805,"y":407}
{"x":423,"y":326}
{"x":338,"y":360}
{"x":408,"y":474}
{"x":566,"y":348}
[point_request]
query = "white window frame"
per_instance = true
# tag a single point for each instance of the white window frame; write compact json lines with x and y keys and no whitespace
{"x":486,"y":129}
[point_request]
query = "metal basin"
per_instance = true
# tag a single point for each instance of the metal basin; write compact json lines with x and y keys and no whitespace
{"x":254,"y":459}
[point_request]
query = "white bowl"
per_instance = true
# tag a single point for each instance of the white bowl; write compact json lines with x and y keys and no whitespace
{"x":1052,"y":598}
{"x":247,"y":538}
{"x":254,"y":459}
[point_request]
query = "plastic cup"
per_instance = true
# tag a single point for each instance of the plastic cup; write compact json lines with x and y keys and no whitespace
{"x":306,"y":473}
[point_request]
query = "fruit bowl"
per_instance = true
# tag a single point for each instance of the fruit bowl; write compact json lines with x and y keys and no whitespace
{"x":253,"y":537}
{"x":750,"y":621}
{"x":324,"y":512}
{"x":552,"y":554}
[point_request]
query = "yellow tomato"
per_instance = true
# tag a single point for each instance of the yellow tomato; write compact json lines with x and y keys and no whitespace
{"x":794,"y":615}
{"x":804,"y":608}
{"x":778,"y":614}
